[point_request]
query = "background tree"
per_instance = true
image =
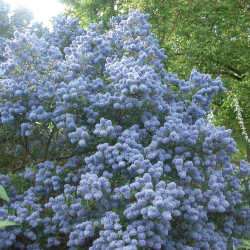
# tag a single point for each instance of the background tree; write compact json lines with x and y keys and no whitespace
{"x":89,"y":11}
{"x":211,"y":36}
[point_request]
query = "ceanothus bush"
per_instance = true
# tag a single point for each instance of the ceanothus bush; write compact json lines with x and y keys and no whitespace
{"x":111,"y":151}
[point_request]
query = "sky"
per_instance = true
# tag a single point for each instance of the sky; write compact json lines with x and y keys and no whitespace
{"x":43,"y":10}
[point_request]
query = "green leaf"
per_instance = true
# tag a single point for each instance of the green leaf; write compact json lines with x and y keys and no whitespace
{"x":246,"y":243}
{"x":3,"y":194}
{"x":7,"y":223}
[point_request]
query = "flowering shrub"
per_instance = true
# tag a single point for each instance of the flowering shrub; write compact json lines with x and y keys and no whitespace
{"x":112,"y":151}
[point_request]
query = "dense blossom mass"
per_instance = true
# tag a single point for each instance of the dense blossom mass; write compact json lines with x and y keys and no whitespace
{"x":115,"y":152}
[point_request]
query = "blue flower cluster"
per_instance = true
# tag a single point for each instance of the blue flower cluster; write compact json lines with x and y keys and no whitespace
{"x":115,"y":152}
{"x":11,"y":20}
{"x":2,"y":48}
{"x":65,"y":30}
